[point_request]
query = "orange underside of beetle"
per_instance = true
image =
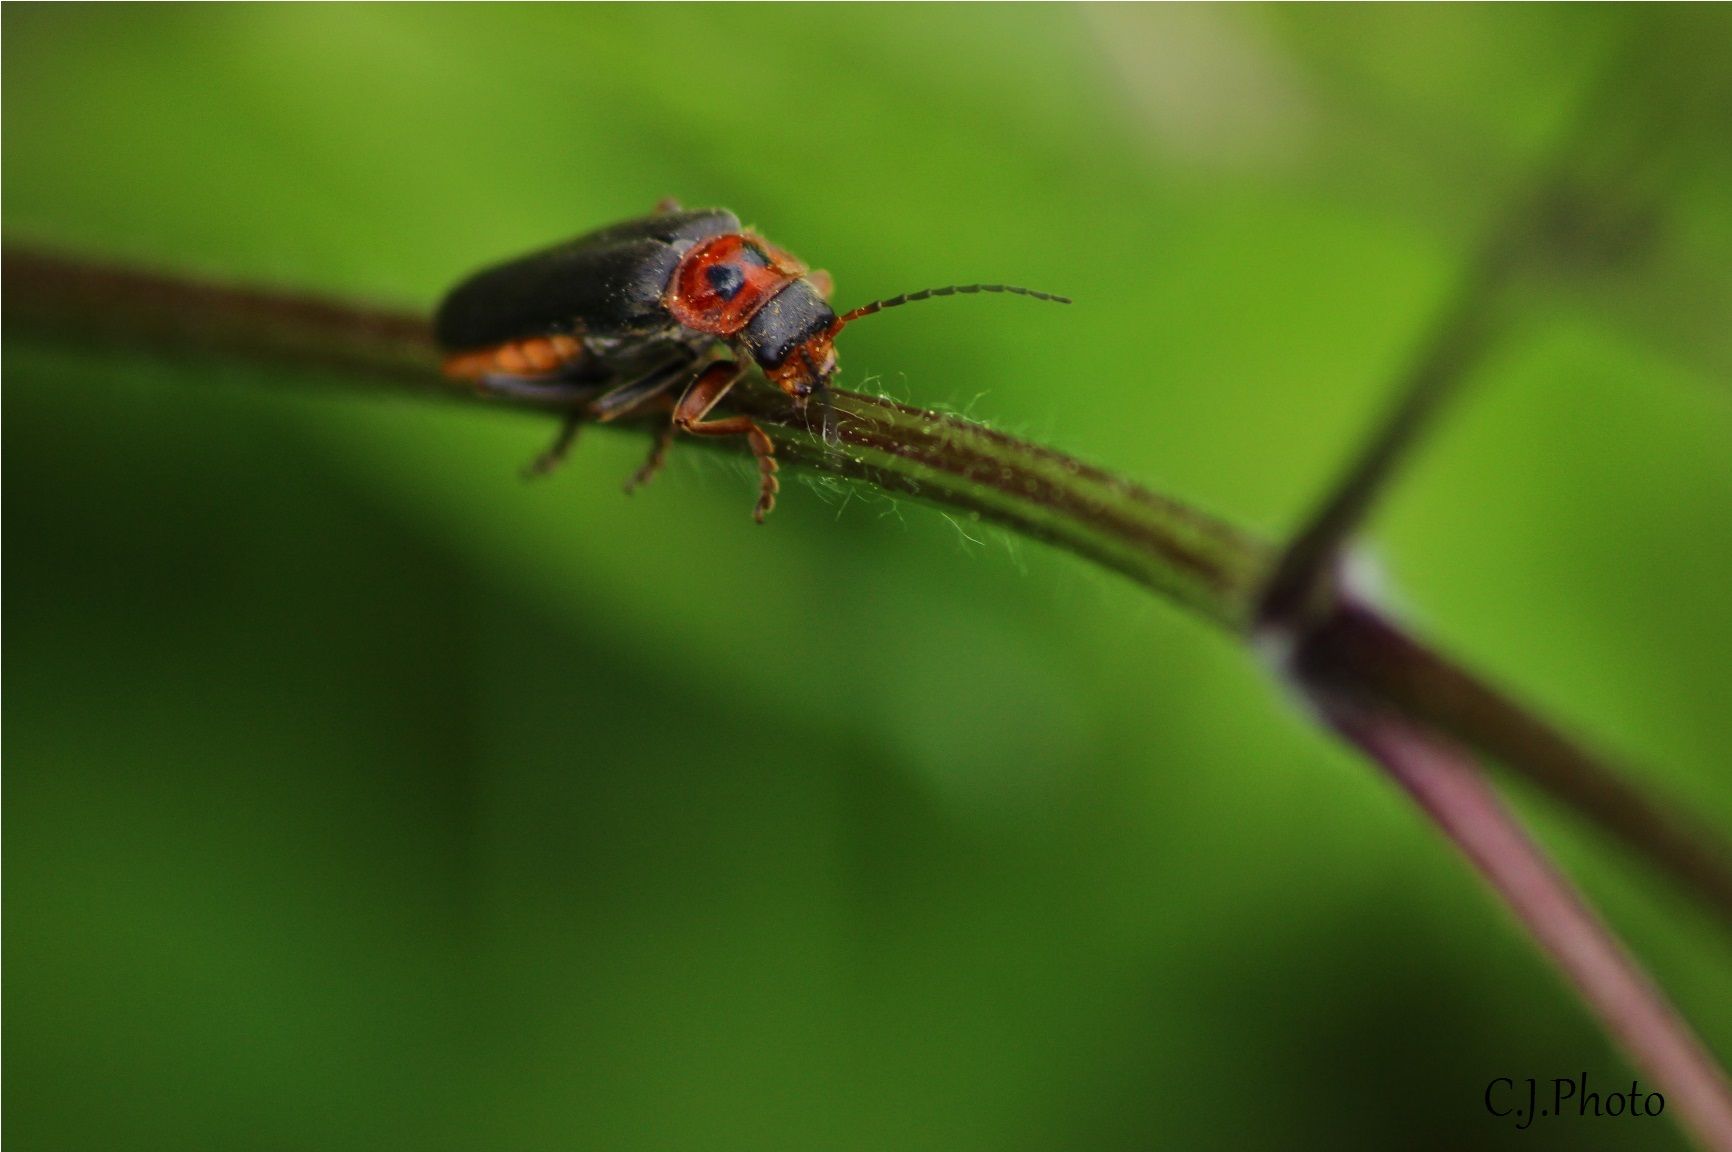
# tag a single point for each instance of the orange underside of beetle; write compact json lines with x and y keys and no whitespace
{"x":537,"y":356}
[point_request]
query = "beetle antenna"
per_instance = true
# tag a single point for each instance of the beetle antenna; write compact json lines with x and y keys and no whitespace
{"x":947,"y":290}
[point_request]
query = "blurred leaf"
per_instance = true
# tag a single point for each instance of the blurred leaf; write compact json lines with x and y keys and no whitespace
{"x":361,"y":794}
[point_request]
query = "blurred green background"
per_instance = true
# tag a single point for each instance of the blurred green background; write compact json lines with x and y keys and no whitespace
{"x":359,"y":794}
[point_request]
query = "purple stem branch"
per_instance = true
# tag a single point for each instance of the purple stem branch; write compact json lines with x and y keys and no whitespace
{"x":1383,"y":690}
{"x":1449,"y":786}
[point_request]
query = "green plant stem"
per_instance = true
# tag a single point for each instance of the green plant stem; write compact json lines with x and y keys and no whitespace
{"x":1382,"y":690}
{"x":1201,"y":562}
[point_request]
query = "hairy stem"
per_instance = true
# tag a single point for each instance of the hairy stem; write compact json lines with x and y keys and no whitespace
{"x":1203,"y":563}
{"x":1381,"y":689}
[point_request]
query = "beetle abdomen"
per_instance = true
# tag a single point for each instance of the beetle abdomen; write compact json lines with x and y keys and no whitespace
{"x":537,"y":356}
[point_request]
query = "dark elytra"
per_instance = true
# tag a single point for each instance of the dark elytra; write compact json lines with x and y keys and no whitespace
{"x":605,"y":283}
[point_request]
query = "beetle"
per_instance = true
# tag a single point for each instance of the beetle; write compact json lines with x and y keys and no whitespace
{"x":629,"y":318}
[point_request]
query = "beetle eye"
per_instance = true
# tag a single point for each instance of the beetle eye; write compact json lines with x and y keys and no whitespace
{"x":725,"y":279}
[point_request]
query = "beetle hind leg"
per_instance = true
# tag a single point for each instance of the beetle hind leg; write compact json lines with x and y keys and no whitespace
{"x":554,"y":454}
{"x":658,"y":454}
{"x":647,"y":393}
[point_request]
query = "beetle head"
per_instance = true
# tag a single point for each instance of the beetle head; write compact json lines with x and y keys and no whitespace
{"x":792,"y":336}
{"x":808,"y":371}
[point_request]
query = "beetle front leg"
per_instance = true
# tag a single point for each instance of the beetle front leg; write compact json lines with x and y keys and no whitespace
{"x":705,"y":393}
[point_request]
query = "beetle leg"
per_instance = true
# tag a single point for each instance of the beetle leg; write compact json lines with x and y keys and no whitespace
{"x":632,"y":396}
{"x":621,"y":400}
{"x":703,"y":394}
{"x":555,"y":453}
{"x":667,"y":204}
{"x":646,"y":392}
{"x":823,"y":282}
{"x":658,"y":451}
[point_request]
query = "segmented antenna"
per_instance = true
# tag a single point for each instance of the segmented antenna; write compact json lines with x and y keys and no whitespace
{"x":947,"y":290}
